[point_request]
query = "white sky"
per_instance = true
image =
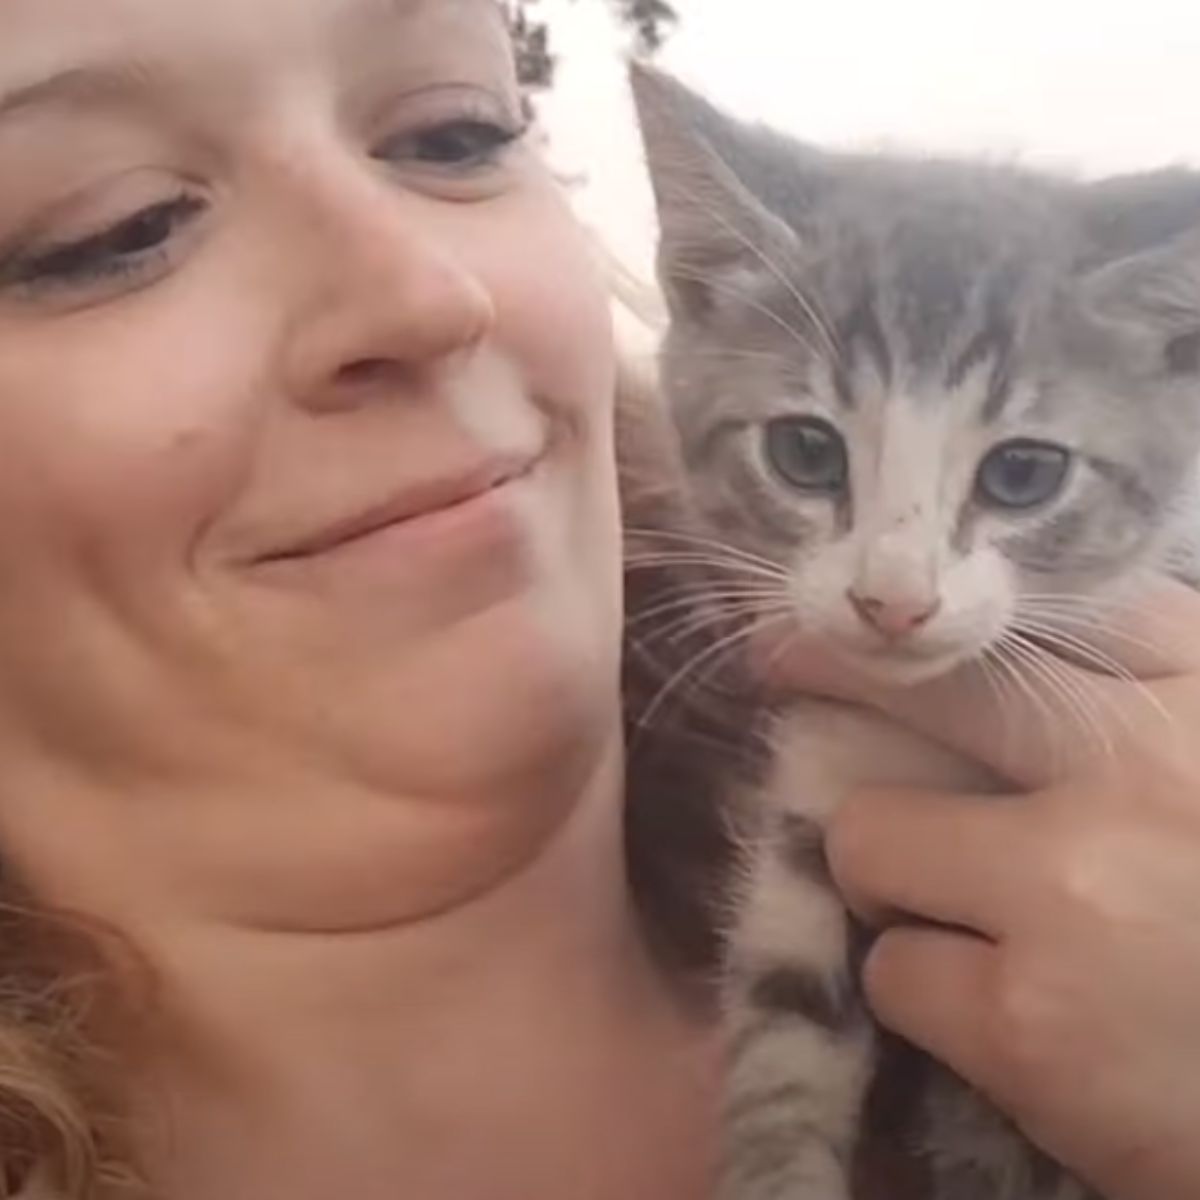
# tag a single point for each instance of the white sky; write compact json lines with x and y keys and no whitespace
{"x":1088,"y":86}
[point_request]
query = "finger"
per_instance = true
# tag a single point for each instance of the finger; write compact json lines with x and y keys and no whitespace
{"x":944,"y":858}
{"x":935,"y":988}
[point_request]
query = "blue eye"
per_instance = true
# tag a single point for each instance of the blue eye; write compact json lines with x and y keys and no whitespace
{"x":807,"y":453}
{"x":464,"y":143}
{"x":124,"y":249}
{"x":1022,"y":474}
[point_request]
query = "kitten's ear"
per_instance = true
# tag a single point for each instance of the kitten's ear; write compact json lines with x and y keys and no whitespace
{"x":1126,"y":215}
{"x":1142,"y":264}
{"x":1158,"y":290}
{"x":715,"y":234}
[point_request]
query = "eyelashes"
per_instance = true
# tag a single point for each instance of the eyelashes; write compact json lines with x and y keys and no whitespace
{"x":124,"y":249}
{"x":462,"y":145}
{"x":140,"y":246}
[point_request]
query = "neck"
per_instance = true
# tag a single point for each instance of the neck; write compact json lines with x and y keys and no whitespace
{"x":522,"y":1044}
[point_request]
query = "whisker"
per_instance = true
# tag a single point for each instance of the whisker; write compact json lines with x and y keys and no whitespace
{"x":698,"y":540}
{"x":1100,"y":701}
{"x":669,"y":558}
{"x":723,"y":646}
{"x":676,"y":598}
{"x":698,"y":556}
{"x":1095,"y":622}
{"x":722,"y":354}
{"x":696,"y":623}
{"x":1080,"y":649}
{"x":993,"y":676}
{"x":711,"y":706}
{"x":1072,"y":693}
{"x":806,"y":304}
{"x":776,"y":654}
{"x":706,"y":578}
{"x":750,"y":302}
{"x":1005,"y":657}
{"x":1073,"y":646}
{"x":709,"y":680}
{"x":1101,"y":603}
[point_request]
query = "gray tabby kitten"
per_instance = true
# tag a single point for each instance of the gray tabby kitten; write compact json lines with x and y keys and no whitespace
{"x":932,"y":399}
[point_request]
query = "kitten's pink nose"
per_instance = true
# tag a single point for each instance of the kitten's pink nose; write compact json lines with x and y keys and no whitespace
{"x":895,"y":619}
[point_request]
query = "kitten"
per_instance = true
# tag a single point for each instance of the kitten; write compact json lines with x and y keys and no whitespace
{"x":929,"y":400}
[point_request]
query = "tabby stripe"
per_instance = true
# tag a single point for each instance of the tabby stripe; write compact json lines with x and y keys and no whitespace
{"x":771,"y":1151}
{"x":797,"y":992}
{"x":781,"y":1096}
{"x":862,"y":325}
{"x":801,"y":848}
{"x":1137,"y":496}
{"x":996,"y":342}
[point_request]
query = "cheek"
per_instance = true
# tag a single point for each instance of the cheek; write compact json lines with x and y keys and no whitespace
{"x":126,"y":430}
{"x":554,"y":328}
{"x":554,"y":325}
{"x":552,"y":312}
{"x":821,"y":576}
{"x":978,"y":598}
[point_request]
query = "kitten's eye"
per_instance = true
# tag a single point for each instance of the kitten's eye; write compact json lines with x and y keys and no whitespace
{"x":1022,"y":474}
{"x":807,"y":453}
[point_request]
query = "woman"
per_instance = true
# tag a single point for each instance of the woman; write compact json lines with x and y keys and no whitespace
{"x":310,"y":624}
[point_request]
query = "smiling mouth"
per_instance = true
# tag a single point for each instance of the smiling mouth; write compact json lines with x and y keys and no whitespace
{"x":411,"y":506}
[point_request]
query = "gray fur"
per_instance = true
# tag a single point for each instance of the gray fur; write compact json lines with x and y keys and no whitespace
{"x":928,"y":310}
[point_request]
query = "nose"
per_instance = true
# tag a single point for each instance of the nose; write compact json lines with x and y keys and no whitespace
{"x":896,"y":619}
{"x":383,"y":296}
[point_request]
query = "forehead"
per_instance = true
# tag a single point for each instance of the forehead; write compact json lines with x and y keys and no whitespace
{"x":39,"y":38}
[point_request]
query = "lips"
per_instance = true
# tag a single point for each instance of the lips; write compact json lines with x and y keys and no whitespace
{"x":410,"y":503}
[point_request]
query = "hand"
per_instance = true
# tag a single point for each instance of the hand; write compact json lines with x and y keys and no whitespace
{"x":1072,"y":996}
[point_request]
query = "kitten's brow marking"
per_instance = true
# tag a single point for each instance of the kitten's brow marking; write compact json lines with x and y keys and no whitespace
{"x":862,"y":327}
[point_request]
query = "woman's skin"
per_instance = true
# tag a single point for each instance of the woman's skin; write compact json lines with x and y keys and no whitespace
{"x":269,"y":276}
{"x":1075,"y":1005}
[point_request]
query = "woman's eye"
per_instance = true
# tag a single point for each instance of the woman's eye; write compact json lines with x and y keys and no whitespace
{"x":123,"y":249}
{"x":1022,"y":474}
{"x":453,"y":144}
{"x":808,"y":454}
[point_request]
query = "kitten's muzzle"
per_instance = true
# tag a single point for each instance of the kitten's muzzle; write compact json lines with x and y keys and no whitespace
{"x":895,"y":620}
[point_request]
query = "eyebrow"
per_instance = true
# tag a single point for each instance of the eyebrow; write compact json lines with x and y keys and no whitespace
{"x":79,"y":87}
{"x":370,"y":13}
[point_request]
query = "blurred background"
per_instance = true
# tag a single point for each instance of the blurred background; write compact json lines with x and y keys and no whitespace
{"x":1087,"y":87}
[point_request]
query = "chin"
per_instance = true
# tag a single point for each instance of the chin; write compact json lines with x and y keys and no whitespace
{"x":904,"y":668}
{"x":511,"y":716}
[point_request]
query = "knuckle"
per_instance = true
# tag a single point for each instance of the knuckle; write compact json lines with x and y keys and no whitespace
{"x":1083,"y":875}
{"x":1087,"y":874}
{"x":1082,"y":855}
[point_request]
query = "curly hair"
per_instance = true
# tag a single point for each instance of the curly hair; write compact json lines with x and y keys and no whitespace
{"x":61,"y":1126}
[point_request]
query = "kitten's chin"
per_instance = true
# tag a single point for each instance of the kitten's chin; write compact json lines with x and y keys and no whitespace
{"x":895,"y":668}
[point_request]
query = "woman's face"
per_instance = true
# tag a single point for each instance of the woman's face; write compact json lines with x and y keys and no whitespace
{"x":304,"y":419}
